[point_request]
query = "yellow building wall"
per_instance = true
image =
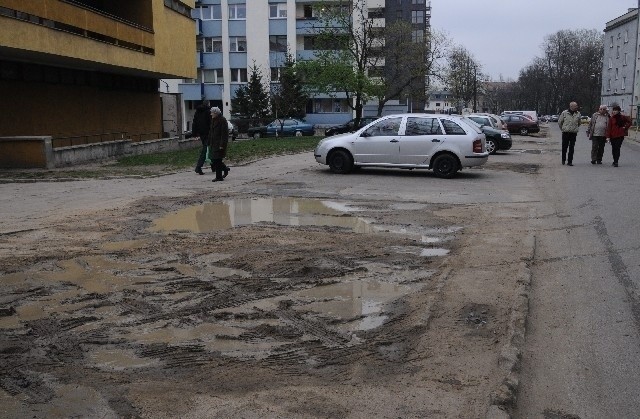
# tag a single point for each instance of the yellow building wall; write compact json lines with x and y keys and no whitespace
{"x":172,"y":38}
{"x":67,"y":110}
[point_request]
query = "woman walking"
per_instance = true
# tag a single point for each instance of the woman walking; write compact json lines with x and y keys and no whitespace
{"x":618,"y":127}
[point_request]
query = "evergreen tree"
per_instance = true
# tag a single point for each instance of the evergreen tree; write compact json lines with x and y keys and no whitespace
{"x":252,"y":100}
{"x":289,"y":98}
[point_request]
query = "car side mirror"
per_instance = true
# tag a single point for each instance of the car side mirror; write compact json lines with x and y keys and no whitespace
{"x":365,"y":134}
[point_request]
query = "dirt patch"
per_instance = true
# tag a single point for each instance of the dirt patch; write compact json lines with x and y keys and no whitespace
{"x":250,"y":306}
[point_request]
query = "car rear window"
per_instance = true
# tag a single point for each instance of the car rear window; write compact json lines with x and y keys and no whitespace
{"x":422,"y":126}
{"x":472,"y":124}
{"x":451,"y":128}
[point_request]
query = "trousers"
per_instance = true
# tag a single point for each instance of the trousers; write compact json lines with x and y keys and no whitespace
{"x":616,"y":143}
{"x":568,"y":144}
{"x":597,"y":147}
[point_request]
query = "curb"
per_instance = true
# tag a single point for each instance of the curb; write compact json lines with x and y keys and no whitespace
{"x":503,"y":398}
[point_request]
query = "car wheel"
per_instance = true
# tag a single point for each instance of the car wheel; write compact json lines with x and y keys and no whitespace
{"x":256,"y":135}
{"x":298,"y":133}
{"x":445,"y":166}
{"x":524,"y":131}
{"x":491,"y":146}
{"x":340,"y":162}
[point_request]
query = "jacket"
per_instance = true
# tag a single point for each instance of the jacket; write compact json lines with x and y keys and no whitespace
{"x":218,"y":137}
{"x":569,"y":122}
{"x":615,"y":130}
{"x":592,"y":123}
{"x":201,"y":123}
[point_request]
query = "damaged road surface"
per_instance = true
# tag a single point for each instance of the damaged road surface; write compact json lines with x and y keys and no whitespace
{"x":399,"y":296}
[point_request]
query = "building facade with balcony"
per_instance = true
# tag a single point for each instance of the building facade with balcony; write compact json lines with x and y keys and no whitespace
{"x":232,"y":35}
{"x":71,"y":68}
{"x":619,"y":64}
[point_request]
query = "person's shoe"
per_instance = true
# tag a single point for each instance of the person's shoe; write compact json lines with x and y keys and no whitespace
{"x":199,"y":171}
{"x":226,"y":172}
{"x":599,"y":162}
{"x":563,"y":162}
{"x":593,"y":162}
{"x":217,"y":180}
{"x":569,"y":164}
{"x":615,"y":164}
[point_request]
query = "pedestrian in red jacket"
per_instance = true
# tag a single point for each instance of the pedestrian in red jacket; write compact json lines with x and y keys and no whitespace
{"x":618,"y":127}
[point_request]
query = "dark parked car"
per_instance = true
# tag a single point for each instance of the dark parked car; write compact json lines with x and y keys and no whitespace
{"x":521,"y":125}
{"x":349,"y":126}
{"x":283,"y":127}
{"x":496,"y":139}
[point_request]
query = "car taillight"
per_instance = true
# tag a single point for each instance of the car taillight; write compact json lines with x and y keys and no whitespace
{"x":477,"y":146}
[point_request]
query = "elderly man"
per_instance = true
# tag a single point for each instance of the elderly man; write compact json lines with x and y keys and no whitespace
{"x":569,"y":123}
{"x":597,"y":133}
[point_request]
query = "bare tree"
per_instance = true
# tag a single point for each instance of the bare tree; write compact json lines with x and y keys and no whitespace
{"x":464,"y":76}
{"x":344,"y":42}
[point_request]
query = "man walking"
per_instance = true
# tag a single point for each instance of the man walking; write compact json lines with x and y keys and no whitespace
{"x":218,"y":140}
{"x":569,"y":123}
{"x":200,"y":128}
{"x":597,"y":133}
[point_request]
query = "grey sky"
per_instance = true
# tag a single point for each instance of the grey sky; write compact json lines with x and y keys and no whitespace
{"x":505,"y":35}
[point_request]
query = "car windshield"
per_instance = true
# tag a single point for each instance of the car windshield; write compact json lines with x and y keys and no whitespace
{"x":471,"y":124}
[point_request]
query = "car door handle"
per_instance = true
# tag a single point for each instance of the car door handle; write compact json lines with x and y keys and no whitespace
{"x":435,"y":140}
{"x":393,"y":141}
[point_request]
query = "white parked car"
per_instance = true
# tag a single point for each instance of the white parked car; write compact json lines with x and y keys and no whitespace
{"x":442,"y":143}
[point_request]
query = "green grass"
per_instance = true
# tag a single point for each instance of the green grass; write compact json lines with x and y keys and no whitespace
{"x":147,"y":165}
{"x":237,"y":152}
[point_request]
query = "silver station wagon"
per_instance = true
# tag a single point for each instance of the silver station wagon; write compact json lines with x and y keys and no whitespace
{"x":442,"y":143}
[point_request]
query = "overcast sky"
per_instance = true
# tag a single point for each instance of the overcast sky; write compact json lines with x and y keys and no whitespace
{"x":505,"y":35}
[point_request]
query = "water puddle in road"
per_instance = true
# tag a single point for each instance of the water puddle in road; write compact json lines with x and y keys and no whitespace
{"x":281,"y":211}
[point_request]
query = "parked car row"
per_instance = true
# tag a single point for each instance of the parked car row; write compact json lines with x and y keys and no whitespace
{"x":282,"y":127}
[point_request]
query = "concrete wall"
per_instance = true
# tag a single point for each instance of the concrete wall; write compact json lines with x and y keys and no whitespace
{"x":36,"y":152}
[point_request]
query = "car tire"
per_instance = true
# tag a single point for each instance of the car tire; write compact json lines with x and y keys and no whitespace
{"x":340,"y":162}
{"x":524,"y":131}
{"x":445,"y":166}
{"x":491,"y":146}
{"x":298,"y":133}
{"x":256,"y":135}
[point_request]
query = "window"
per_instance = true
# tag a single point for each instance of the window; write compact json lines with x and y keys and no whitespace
{"x":309,"y":43}
{"x":376,"y":71}
{"x":377,"y":13}
{"x":199,"y":44}
{"x":275,"y":74}
{"x":423,"y":126}
{"x":611,"y":45}
{"x":212,"y":76}
{"x":437,"y":104}
{"x":417,"y":16}
{"x":399,"y":14}
{"x":238,"y":75}
{"x":417,"y":1}
{"x":307,"y":11}
{"x":624,"y":82}
{"x":237,"y":44}
{"x":278,"y":43}
{"x":386,"y":127}
{"x":609,"y":85}
{"x":451,"y":128}
{"x":278,"y":11}
{"x":213,"y":44}
{"x":617,"y":74}
{"x":209,"y":12}
{"x":237,"y":11}
{"x":624,"y":62}
{"x":610,"y":63}
{"x":618,"y":51}
{"x":329,"y":105}
{"x":626,"y":36}
{"x":417,"y":35}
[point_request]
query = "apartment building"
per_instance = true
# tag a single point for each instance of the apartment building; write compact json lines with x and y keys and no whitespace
{"x":620,"y":75}
{"x":232,"y":35}
{"x":90,"y":68}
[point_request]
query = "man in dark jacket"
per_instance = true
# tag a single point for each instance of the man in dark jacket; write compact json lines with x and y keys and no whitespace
{"x":218,"y":140}
{"x":200,"y":128}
